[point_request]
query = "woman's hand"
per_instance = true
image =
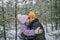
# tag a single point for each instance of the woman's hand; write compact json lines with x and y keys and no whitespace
{"x":40,"y":31}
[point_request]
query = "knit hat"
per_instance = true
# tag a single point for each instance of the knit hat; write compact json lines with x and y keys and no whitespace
{"x":32,"y":14}
{"x":22,"y":18}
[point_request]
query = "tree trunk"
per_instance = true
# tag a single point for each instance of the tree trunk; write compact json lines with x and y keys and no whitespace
{"x":16,"y":19}
{"x":3,"y":20}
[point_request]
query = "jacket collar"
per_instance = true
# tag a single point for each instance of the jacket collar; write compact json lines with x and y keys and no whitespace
{"x":36,"y":20}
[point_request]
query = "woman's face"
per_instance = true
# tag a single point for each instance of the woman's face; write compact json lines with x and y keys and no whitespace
{"x":31,"y":19}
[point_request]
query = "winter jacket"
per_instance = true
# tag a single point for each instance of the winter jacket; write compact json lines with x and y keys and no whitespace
{"x":26,"y":31}
{"x":33,"y":25}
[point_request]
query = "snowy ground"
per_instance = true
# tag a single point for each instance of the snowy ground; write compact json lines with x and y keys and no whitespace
{"x":52,"y":35}
{"x":46,"y":34}
{"x":11,"y":34}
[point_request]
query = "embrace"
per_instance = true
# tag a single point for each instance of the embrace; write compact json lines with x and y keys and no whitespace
{"x":31,"y":28}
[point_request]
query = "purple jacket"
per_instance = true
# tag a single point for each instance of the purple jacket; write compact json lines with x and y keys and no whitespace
{"x":26,"y":30}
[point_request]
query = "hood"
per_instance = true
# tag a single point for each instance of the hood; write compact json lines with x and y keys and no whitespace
{"x":22,"y":18}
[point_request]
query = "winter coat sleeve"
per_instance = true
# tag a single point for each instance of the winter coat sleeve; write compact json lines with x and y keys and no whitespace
{"x":26,"y":31}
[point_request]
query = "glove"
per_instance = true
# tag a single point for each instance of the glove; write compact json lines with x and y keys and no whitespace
{"x":37,"y":30}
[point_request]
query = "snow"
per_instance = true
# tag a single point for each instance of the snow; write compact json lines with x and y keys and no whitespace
{"x":51,"y":35}
{"x":46,"y":34}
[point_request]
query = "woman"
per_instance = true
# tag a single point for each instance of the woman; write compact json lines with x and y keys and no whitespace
{"x":25,"y":31}
{"x":34,"y":23}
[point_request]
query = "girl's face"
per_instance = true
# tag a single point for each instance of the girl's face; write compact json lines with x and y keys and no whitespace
{"x":27,"y":22}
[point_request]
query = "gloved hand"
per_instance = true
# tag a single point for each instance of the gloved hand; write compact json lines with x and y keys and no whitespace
{"x":37,"y":30}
